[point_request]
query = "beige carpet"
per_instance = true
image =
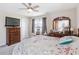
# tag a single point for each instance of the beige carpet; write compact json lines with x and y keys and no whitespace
{"x":6,"y":50}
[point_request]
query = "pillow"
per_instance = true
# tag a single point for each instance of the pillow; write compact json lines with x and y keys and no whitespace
{"x":66,"y":40}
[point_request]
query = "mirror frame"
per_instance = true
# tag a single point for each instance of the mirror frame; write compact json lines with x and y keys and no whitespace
{"x":62,"y":18}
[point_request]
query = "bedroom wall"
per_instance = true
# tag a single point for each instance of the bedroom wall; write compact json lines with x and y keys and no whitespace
{"x":24,"y":28}
{"x":50,"y":16}
{"x":24,"y":32}
{"x":77,"y":17}
{"x":68,"y":13}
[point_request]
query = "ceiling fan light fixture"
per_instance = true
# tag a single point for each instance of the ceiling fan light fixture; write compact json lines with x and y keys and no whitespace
{"x":29,"y":10}
{"x":30,"y":7}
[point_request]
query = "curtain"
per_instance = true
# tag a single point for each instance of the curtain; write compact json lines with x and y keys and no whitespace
{"x":33,"y":26}
{"x":44,"y":27}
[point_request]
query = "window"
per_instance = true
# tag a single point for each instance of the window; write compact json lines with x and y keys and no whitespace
{"x":39,"y":26}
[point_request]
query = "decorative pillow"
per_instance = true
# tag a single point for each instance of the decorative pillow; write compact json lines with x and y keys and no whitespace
{"x":66,"y":40}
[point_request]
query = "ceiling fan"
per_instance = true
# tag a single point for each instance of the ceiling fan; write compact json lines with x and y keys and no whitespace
{"x":29,"y":7}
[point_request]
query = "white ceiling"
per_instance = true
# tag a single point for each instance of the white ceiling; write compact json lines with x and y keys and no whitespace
{"x":44,"y":8}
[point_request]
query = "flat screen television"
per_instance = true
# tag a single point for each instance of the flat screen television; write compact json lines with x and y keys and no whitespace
{"x":12,"y":21}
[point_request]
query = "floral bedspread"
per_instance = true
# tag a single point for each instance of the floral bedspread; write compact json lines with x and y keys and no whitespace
{"x":45,"y":45}
{"x":67,"y":50}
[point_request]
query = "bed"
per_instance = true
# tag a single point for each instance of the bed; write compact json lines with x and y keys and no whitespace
{"x":45,"y":45}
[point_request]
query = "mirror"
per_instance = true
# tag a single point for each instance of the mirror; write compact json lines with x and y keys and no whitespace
{"x":61,"y":24}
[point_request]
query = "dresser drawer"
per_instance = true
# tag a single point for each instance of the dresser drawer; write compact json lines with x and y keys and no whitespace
{"x":13,"y":35}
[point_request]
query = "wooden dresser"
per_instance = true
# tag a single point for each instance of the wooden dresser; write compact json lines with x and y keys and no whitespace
{"x":12,"y":35}
{"x":56,"y":34}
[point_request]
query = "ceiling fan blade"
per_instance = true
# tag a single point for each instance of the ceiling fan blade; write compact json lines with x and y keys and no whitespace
{"x":29,"y":4}
{"x":25,"y":5}
{"x":35,"y":6}
{"x":34,"y":9}
{"x":22,"y":8}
